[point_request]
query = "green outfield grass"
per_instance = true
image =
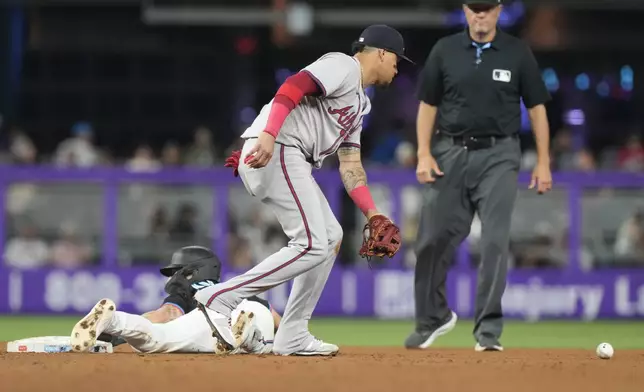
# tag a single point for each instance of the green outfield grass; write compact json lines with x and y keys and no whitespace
{"x":369,"y":332}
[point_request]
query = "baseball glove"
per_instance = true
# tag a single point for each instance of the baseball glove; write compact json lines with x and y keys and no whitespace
{"x":383,"y":238}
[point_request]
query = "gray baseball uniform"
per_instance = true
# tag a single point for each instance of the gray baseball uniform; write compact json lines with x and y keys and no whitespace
{"x":315,"y":129}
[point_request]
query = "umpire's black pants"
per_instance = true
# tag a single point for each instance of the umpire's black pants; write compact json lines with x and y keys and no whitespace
{"x":480,"y":179}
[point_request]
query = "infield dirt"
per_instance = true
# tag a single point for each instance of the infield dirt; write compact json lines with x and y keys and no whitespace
{"x":354,"y":369}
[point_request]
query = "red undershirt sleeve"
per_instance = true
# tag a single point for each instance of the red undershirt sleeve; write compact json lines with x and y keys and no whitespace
{"x":287,"y":98}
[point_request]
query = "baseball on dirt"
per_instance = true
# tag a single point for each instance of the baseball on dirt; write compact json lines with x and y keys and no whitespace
{"x":605,"y":351}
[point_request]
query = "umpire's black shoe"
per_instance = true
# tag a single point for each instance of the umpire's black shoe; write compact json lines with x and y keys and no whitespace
{"x":425,"y":339}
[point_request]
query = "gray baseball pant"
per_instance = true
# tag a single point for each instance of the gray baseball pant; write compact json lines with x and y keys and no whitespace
{"x":287,"y":186}
{"x":482,"y":181}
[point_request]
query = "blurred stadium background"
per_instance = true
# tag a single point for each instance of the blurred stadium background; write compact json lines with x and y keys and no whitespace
{"x":116,"y":116}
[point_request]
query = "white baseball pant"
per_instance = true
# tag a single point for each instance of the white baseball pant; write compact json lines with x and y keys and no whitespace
{"x":189,"y":333}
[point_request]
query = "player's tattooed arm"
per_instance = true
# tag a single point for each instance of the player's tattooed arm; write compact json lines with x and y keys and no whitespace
{"x":354,"y":179}
{"x":351,"y":169}
{"x":164,"y":314}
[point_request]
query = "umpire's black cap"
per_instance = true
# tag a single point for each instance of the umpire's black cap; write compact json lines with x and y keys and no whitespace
{"x":482,"y":2}
{"x":382,"y":37}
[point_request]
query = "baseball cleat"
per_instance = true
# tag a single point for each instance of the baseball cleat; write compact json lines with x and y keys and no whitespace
{"x":492,"y":347}
{"x":426,"y":339}
{"x":318,"y":347}
{"x":87,"y":330}
{"x":243,"y":328}
{"x":248,"y":338}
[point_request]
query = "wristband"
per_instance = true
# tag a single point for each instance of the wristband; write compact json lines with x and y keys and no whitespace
{"x":361,"y":196}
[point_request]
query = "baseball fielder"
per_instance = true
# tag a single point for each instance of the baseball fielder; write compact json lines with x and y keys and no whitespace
{"x":188,"y":264}
{"x":314,"y":114}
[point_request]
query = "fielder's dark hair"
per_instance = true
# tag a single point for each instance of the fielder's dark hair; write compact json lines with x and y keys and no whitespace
{"x":357,"y":47}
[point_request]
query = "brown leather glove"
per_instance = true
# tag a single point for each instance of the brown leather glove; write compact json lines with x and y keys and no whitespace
{"x":383,"y":238}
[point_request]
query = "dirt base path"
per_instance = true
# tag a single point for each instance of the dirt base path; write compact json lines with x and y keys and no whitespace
{"x":353,"y":370}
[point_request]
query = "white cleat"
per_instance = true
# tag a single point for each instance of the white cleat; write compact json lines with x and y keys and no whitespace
{"x":318,"y":347}
{"x":442,"y":330}
{"x":248,"y":338}
{"x":87,"y":330}
{"x":495,"y":347}
{"x":244,"y":328}
{"x":263,"y":348}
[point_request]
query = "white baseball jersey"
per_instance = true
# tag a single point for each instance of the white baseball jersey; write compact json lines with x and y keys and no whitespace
{"x":318,"y":126}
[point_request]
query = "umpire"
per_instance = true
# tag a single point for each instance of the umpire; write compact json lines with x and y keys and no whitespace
{"x":470,"y":91}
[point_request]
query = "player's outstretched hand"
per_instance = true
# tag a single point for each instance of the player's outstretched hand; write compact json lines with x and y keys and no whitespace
{"x":426,"y":169}
{"x":261,"y":153}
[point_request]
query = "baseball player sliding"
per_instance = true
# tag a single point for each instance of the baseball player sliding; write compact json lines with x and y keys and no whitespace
{"x":177,"y":326}
{"x":252,"y":331}
{"x":176,"y":304}
{"x":314,"y":114}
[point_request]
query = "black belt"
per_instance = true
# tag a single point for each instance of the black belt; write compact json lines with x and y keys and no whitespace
{"x":475,"y":142}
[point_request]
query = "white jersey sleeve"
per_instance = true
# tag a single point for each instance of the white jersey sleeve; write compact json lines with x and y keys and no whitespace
{"x":335,"y":73}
